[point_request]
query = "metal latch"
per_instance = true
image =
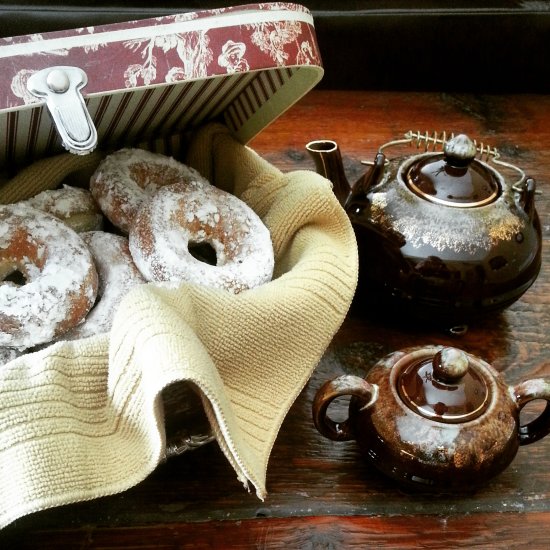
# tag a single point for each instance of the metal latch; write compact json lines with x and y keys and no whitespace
{"x":60,"y":87}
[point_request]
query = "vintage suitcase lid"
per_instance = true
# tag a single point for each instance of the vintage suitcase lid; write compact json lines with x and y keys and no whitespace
{"x":155,"y":78}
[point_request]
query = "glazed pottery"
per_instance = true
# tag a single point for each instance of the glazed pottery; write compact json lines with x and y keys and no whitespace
{"x":443,"y":236}
{"x":434,"y":417}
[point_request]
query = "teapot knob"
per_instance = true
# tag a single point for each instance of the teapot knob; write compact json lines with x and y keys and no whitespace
{"x":450,"y":365}
{"x":460,"y":150}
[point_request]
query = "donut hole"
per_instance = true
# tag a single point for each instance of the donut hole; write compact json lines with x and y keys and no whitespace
{"x":203,"y":252}
{"x":15,"y":276}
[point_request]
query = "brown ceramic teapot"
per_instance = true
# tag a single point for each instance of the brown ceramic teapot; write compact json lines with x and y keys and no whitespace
{"x":434,"y":417}
{"x":443,"y":236}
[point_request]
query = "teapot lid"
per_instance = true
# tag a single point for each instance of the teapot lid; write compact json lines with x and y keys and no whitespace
{"x":445,"y":387}
{"x":454,"y":178}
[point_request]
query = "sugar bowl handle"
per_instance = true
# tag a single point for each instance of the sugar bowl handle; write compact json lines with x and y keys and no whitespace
{"x":537,"y":388}
{"x":343,"y":385}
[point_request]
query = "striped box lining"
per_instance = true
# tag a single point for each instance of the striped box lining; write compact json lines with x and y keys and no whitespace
{"x":154,"y":116}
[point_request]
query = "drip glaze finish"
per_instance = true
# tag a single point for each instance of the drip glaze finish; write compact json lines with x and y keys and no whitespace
{"x":444,"y":238}
{"x":434,"y":417}
{"x":440,"y":262}
{"x":417,"y":450}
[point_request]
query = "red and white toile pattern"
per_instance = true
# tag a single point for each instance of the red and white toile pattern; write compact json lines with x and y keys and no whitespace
{"x":159,"y":76}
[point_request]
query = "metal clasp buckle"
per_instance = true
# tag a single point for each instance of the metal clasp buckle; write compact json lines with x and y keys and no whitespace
{"x":60,"y":88}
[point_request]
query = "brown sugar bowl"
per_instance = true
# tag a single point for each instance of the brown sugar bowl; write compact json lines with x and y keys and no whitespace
{"x":434,"y":417}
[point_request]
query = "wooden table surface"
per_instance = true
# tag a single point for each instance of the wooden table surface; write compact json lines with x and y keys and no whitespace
{"x":321,"y":493}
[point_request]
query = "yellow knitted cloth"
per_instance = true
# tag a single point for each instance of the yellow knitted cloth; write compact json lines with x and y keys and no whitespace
{"x":83,"y":419}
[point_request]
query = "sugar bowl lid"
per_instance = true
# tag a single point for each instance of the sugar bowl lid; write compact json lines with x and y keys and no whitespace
{"x":446,"y":387}
{"x":454,"y":177}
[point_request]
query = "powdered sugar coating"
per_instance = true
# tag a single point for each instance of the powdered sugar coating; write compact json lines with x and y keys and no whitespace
{"x":7,"y":355}
{"x":72,"y":205}
{"x":117,"y":275}
{"x":183,"y":214}
{"x":124,"y":179}
{"x":60,"y":278}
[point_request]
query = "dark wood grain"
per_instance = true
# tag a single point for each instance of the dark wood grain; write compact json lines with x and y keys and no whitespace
{"x":321,"y":532}
{"x":321,"y":493}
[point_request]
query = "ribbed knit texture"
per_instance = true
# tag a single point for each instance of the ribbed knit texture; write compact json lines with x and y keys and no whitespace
{"x":84,"y":419}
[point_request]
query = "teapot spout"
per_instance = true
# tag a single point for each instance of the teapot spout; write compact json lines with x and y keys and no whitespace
{"x":328,"y":163}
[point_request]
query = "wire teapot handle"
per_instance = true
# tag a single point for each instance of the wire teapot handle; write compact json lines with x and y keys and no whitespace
{"x":437,"y":140}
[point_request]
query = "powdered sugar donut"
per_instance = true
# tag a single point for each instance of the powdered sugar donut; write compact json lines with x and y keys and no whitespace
{"x":124,"y":179}
{"x":117,"y":275}
{"x":72,"y":205}
{"x":48,"y":282}
{"x":182,"y":218}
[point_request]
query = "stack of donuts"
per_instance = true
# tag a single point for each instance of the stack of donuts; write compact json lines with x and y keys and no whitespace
{"x":68,"y":256}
